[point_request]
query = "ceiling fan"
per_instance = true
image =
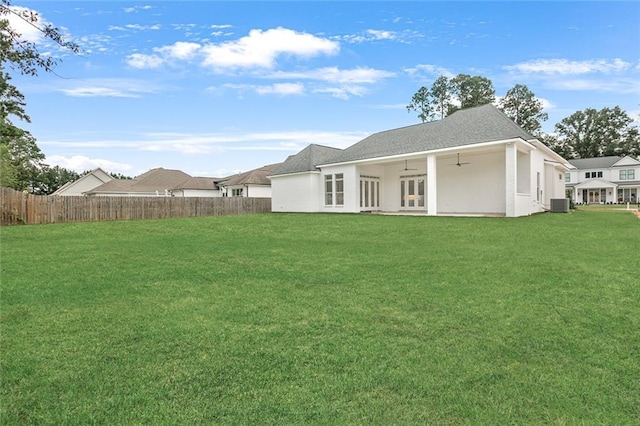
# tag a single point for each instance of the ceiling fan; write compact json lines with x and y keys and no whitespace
{"x":459,"y":164}
{"x":406,"y":167}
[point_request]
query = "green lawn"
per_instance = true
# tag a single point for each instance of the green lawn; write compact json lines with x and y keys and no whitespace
{"x":323,"y":319}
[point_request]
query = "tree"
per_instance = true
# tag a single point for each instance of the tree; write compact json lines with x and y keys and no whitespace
{"x":119,"y":176}
{"x":21,"y":157}
{"x":8,"y":172}
{"x":441,"y":93}
{"x":421,"y":102}
{"x":447,"y":96}
{"x":521,"y":105}
{"x":22,"y":154}
{"x":592,"y":133}
{"x":560,"y":147}
{"x":50,"y":179}
{"x":471,"y":91}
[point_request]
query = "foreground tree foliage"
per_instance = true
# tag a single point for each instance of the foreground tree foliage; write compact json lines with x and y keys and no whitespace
{"x":21,"y":158}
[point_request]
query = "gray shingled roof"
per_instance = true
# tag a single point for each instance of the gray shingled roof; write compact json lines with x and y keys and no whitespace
{"x":307,"y":159}
{"x":199,"y":183}
{"x":594,"y":163}
{"x":468,"y":126}
{"x":252,"y":177}
{"x":154,"y":180}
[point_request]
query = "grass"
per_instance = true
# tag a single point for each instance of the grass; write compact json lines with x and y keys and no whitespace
{"x":323,"y":319}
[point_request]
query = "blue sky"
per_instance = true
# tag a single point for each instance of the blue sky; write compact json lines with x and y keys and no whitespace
{"x":214,"y":88}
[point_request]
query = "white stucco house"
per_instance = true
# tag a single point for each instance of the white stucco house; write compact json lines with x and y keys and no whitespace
{"x":476,"y":161}
{"x":92,"y":179}
{"x":603,"y":180}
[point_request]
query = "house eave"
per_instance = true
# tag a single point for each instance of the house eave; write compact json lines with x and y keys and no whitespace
{"x":520,"y":141}
{"x":294,"y":174}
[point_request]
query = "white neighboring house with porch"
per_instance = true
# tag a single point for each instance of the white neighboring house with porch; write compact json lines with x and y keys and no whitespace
{"x":476,"y":161}
{"x":603,"y":180}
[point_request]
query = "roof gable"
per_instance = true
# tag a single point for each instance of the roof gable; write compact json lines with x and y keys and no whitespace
{"x":94,"y":178}
{"x":627,"y":161}
{"x":307,"y":159}
{"x":594,"y":183}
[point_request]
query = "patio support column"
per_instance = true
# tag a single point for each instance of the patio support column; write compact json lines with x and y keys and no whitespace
{"x":432,"y":191}
{"x":511,"y":174}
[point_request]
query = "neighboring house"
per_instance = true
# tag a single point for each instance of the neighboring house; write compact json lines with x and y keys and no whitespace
{"x":198,"y":187}
{"x":253,"y":183}
{"x":155,"y":182}
{"x":476,"y":161}
{"x":85,"y":183}
{"x":603,"y":180}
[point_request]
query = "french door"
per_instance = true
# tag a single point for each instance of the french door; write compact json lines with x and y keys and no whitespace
{"x":412,"y":192}
{"x":369,"y":193}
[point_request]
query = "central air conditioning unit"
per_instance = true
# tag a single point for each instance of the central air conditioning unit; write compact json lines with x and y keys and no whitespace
{"x":559,"y":205}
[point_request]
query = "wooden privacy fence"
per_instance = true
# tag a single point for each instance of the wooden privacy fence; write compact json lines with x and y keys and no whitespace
{"x":20,"y":208}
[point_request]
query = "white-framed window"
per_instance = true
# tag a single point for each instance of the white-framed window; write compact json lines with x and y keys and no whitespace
{"x":592,"y":175}
{"x":567,"y":177}
{"x":627,"y":195}
{"x":334,"y":189}
{"x":627,"y":174}
{"x":237,"y":192}
{"x":339,"y":189}
{"x":328,"y":190}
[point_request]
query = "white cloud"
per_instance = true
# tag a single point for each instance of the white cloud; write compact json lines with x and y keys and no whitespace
{"x":202,"y":143}
{"x":105,"y":87}
{"x":336,"y":75}
{"x":261,"y":49}
{"x":382,"y":35}
{"x":343,"y":92}
{"x":142,"y":61}
{"x":93,"y":91}
{"x":281,"y":89}
{"x":179,"y":50}
{"x":427,"y":71}
{"x":80,"y":163}
{"x":619,"y":85}
{"x":136,"y":8}
{"x":136,"y":27}
{"x":139,"y":27}
{"x":372,"y":35}
{"x":344,"y":83}
{"x":567,"y":67}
